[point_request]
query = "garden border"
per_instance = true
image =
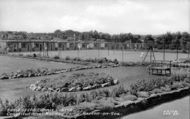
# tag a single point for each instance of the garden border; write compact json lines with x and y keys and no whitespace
{"x":138,"y":105}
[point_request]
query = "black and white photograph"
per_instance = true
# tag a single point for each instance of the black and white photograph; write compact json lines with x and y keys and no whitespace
{"x":94,"y":59}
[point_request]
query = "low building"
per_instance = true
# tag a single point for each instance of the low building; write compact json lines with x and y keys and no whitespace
{"x":3,"y":47}
{"x":90,"y":45}
{"x":32,"y":45}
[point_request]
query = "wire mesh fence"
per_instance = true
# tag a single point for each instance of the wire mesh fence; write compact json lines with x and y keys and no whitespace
{"x":111,"y":50}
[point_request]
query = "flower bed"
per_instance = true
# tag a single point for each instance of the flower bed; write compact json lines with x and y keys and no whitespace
{"x":45,"y":71}
{"x":134,"y":63}
{"x":117,"y":99}
{"x":141,"y":94}
{"x":74,"y":82}
{"x":29,"y":73}
{"x":76,"y":60}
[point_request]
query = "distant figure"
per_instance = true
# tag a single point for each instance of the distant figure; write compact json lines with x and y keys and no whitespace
{"x":79,"y":46}
{"x":142,"y":54}
{"x":34,"y":55}
{"x":7,"y":49}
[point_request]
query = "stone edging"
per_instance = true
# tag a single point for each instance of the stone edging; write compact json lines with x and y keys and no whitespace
{"x":87,"y":65}
{"x":138,"y":105}
{"x":58,"y":71}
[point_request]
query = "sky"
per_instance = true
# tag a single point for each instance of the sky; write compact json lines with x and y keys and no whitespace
{"x":110,"y":16}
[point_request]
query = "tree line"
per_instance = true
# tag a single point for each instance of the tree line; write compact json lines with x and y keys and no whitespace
{"x":179,"y":40}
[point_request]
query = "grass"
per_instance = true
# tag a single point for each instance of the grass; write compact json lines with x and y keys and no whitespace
{"x":125,"y":75}
{"x":13,"y":89}
{"x":27,"y":73}
{"x":177,"y":80}
{"x":67,"y":58}
{"x":133,"y":56}
{"x":13,"y":64}
{"x":55,"y":100}
{"x":76,"y":82}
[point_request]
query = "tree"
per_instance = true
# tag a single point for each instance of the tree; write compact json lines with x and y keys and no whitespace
{"x":150,"y":41}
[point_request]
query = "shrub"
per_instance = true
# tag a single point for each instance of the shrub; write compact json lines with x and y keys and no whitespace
{"x":84,"y":97}
{"x":56,"y":57}
{"x":165,"y":89}
{"x":67,"y":58}
{"x":3,"y":109}
{"x":71,"y":99}
{"x":133,"y":91}
{"x":34,"y":55}
{"x":105,"y":104}
{"x":103,"y":93}
{"x":116,"y":92}
{"x":77,"y":59}
{"x":4,"y":76}
{"x":156,"y":90}
{"x":179,"y":77}
{"x":106,"y":92}
{"x":187,"y":79}
{"x":93,"y":95}
{"x":134,"y":63}
{"x":115,"y":61}
{"x":28,"y":73}
{"x":141,"y":88}
{"x":129,"y":97}
{"x":177,"y":85}
{"x":77,"y":82}
{"x":143,"y":94}
{"x":149,"y":84}
{"x":28,"y":55}
{"x":20,"y":54}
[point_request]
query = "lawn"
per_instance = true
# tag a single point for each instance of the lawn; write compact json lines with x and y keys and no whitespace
{"x":134,"y":56}
{"x":12,"y":89}
{"x":12,"y":64}
{"x":16,"y":88}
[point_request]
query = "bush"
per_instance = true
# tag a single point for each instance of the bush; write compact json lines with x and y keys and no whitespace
{"x":83,"y":98}
{"x":177,"y":85}
{"x":27,"y":73}
{"x":156,"y":90}
{"x":71,"y":99}
{"x":20,"y":55}
{"x":143,"y":94}
{"x":116,"y":92}
{"x":94,"y":94}
{"x":34,"y":55}
{"x":134,"y":63}
{"x":77,"y":59}
{"x":129,"y":97}
{"x":3,"y":110}
{"x":4,"y":106}
{"x":154,"y":85}
{"x":187,"y":79}
{"x":77,"y":82}
{"x":103,"y":93}
{"x":141,"y":88}
{"x":179,"y":77}
{"x":149,"y":84}
{"x":67,"y":58}
{"x":115,"y":61}
{"x":28,"y":55}
{"x":56,"y":57}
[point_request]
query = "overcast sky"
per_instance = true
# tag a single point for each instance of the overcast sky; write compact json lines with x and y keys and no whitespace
{"x":111,"y":16}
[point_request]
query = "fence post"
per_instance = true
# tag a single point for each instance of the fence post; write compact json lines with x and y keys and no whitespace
{"x":122,"y":52}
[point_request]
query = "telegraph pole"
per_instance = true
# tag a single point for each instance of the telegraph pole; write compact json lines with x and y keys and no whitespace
{"x":177,"y":45}
{"x":164,"y":51}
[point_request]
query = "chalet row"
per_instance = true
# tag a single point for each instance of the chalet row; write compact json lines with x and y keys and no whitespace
{"x":53,"y":45}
